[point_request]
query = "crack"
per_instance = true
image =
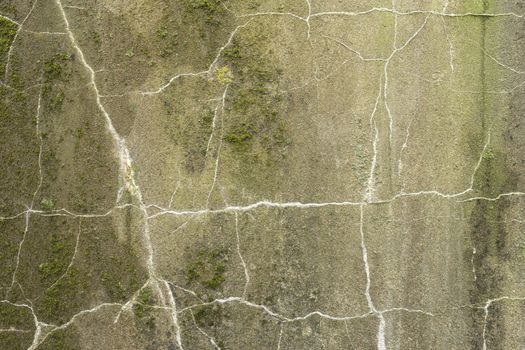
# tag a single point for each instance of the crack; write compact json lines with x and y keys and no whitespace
{"x":38,"y":339}
{"x":43,"y":33}
{"x":177,"y":186}
{"x":394,"y":43}
{"x":385,"y":74}
{"x":14,"y":330}
{"x":70,"y":262}
{"x":205,"y":73}
{"x":473,"y":265}
{"x":243,"y":263}
{"x":210,"y":338}
{"x":486,"y":311}
{"x":271,"y":313}
{"x":414,"y":12}
{"x":357,"y":53}
{"x":307,"y":19}
{"x":10,"y":20}
{"x":173,"y":305}
{"x":216,"y":171}
{"x":369,"y":191}
{"x":493,"y":199}
{"x":280,"y":337}
{"x":381,"y":329}
{"x":401,"y":152}
{"x":497,"y":61}
{"x":267,"y":204}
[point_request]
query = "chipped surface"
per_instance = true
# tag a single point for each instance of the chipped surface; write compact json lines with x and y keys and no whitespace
{"x":211,"y":174}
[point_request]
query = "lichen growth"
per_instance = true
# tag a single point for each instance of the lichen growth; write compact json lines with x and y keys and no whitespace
{"x":224,"y":75}
{"x":488,"y":154}
{"x":239,"y":134}
{"x":47,"y":204}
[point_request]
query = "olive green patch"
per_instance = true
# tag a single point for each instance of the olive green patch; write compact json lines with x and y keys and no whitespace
{"x":8,"y":31}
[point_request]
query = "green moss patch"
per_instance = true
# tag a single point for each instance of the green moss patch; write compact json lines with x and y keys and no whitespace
{"x":207,"y":269}
{"x":8,"y":31}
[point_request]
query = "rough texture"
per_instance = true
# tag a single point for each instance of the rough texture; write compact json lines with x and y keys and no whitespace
{"x":208,"y":174}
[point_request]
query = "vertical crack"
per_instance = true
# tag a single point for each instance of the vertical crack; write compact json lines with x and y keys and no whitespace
{"x":381,"y":329}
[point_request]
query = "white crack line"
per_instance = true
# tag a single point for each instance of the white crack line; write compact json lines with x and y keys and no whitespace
{"x":264,"y":204}
{"x":126,"y":172}
{"x":43,"y":33}
{"x":9,"y":19}
{"x":39,"y":340}
{"x":243,"y":263}
{"x":385,"y":74}
{"x":361,"y":57}
{"x":14,"y":330}
{"x":493,"y":199}
{"x":126,"y":169}
{"x":72,"y":258}
{"x":280,"y":337}
{"x":473,"y":265}
{"x":445,"y":6}
{"x":495,"y":60}
{"x":173,"y":304}
{"x":394,"y":44}
{"x":177,"y":186}
{"x":401,"y":152}
{"x":205,"y":73}
{"x":217,"y":160}
{"x":307,"y":19}
{"x":132,"y":301}
{"x":381,"y":329}
{"x":414,"y":12}
{"x":210,"y":338}
{"x":213,"y":123}
{"x":267,"y":204}
{"x":369,"y":191}
{"x":271,"y":313}
{"x":38,"y":325}
{"x":486,"y":310}
{"x":382,"y":10}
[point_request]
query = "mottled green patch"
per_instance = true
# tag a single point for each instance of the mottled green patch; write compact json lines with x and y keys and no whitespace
{"x":255,"y":103}
{"x":143,"y":310}
{"x":232,"y":54}
{"x":54,"y":68}
{"x":19,"y":318}
{"x":61,"y":301}
{"x":59,"y":256}
{"x":8,"y":31}
{"x":239,"y":134}
{"x":209,"y":315}
{"x":207,"y":269}
{"x":15,"y":316}
{"x":60,"y":340}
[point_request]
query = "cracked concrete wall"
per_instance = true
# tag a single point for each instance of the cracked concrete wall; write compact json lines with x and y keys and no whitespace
{"x":303,"y":174}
